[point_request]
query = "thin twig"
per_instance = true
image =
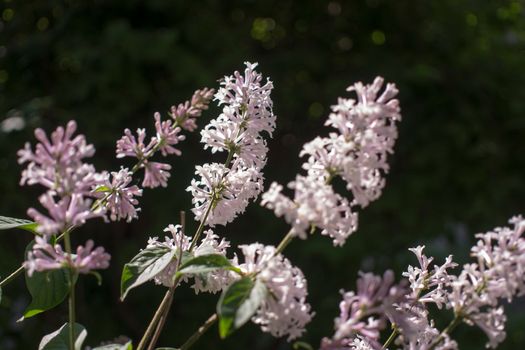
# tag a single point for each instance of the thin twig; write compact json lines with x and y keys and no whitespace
{"x":202,"y":329}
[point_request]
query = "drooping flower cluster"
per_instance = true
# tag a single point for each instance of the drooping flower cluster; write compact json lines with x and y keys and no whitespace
{"x":178,"y":242}
{"x":475,"y":296}
{"x":44,"y":256}
{"x":168,"y":135}
{"x":284,"y":311}
{"x":357,"y":153}
{"x":221,"y":192}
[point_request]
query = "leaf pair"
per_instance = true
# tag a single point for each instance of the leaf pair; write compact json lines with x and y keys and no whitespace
{"x":152,"y":260}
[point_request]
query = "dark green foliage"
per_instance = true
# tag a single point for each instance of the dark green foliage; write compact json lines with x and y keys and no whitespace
{"x":458,"y":168}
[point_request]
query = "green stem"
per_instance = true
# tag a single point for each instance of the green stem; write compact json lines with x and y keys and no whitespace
{"x":451,"y":326}
{"x":161,"y":322}
{"x":202,"y":329}
{"x":156,"y":318}
{"x":202,"y":224}
{"x":67,"y":243}
{"x":284,"y":243}
{"x":12,"y":276}
{"x":391,"y":338}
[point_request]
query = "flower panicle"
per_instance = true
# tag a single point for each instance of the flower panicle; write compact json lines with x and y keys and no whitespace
{"x":357,"y":152}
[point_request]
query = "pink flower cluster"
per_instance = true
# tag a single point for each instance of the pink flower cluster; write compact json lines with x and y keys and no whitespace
{"x":167,"y":136}
{"x":357,"y":153}
{"x":45,"y":256}
{"x":475,"y":295}
{"x":178,"y":242}
{"x":58,"y":164}
{"x":284,"y":311}
{"x":227,"y":189}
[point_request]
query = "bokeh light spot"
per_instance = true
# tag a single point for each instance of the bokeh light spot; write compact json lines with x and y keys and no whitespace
{"x":471,"y":19}
{"x":8,"y":14}
{"x":4,"y":76}
{"x":315,"y":110}
{"x":42,"y":24}
{"x":378,"y":37}
{"x":334,"y":8}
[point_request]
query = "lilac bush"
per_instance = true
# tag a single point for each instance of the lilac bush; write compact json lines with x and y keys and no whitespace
{"x":258,"y":283}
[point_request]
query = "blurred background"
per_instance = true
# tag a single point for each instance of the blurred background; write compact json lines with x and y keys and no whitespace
{"x":458,"y":168}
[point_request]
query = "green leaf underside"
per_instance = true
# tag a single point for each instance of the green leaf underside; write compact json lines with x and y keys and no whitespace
{"x":238,"y":303}
{"x":59,"y":340}
{"x":127,"y":346}
{"x":143,"y":267}
{"x":48,"y":289}
{"x":7,"y":223}
{"x":206,"y":263}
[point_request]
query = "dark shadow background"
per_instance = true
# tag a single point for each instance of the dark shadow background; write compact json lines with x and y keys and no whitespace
{"x":458,"y":168}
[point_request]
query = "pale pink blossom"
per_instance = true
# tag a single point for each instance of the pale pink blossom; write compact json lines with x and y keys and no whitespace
{"x":43,"y":257}
{"x":284,"y":311}
{"x":167,"y":136}
{"x":131,"y":146}
{"x":178,"y":242}
{"x":229,"y":189}
{"x":120,"y":198}
{"x":156,"y":174}
{"x":185,"y":114}
{"x":69,"y":211}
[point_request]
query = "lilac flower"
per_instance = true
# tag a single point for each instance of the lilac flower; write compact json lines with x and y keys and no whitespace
{"x":57,"y":163}
{"x":428,"y":286}
{"x":213,"y":281}
{"x":69,"y":211}
{"x":364,"y":312}
{"x":356,"y":343}
{"x":247,"y":112}
{"x":285,"y":310}
{"x":227,"y":191}
{"x":186,"y":113}
{"x":120,"y":198}
{"x":156,"y":174}
{"x":358,"y":154}
{"x":45,"y":256}
{"x":167,"y":136}
{"x":248,"y":100}
{"x":131,"y":146}
{"x":315,"y":203}
{"x":475,"y":295}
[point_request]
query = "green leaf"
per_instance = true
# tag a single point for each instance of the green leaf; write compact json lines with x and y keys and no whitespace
{"x":59,"y":340}
{"x":48,"y":289}
{"x":238,"y":303}
{"x":143,"y":267}
{"x":102,"y":189}
{"x":7,"y":223}
{"x":206,"y":263}
{"x":127,"y":346}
